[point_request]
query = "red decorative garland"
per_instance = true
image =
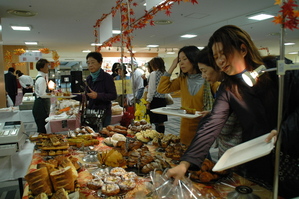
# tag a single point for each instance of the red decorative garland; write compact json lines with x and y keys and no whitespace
{"x":142,"y":22}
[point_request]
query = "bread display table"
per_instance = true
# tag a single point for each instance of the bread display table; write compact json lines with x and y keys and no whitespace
{"x":142,"y":182}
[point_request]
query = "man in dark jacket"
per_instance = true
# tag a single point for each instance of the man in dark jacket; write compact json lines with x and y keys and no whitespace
{"x":11,"y":84}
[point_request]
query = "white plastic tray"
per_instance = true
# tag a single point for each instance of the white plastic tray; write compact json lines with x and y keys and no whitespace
{"x":175,"y":112}
{"x":244,"y":152}
{"x":54,"y":96}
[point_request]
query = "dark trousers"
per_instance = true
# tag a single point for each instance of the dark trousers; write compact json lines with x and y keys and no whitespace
{"x":12,"y":97}
{"x":41,"y":110}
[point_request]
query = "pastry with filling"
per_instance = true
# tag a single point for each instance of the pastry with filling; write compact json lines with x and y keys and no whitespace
{"x":110,"y":189}
{"x":95,"y":184}
{"x":127,"y":185}
{"x":109,"y":179}
{"x":117,"y":171}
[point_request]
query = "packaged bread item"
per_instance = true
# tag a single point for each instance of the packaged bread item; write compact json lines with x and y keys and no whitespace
{"x":63,"y":178}
{"x":39,"y":181}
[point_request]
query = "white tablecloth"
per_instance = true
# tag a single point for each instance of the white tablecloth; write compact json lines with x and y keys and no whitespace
{"x":16,"y":166}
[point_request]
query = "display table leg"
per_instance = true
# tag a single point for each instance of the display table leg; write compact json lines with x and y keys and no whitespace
{"x":21,"y":187}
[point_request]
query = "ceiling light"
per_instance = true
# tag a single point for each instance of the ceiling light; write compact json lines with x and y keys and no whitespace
{"x":260,"y":16}
{"x":31,"y":42}
{"x":293,"y":53}
{"x":188,"y":36}
{"x":95,"y":44}
{"x":162,"y":22}
{"x":289,"y":44}
{"x":86,"y":51}
{"x":21,"y":28}
{"x":116,"y":31}
{"x":35,"y":51}
{"x":170,"y":53}
{"x":152,"y":46}
{"x":22,"y":13}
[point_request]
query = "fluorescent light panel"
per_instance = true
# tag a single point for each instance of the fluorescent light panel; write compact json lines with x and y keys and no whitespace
{"x":96,"y":44}
{"x":86,"y":51}
{"x":188,"y":36}
{"x":293,"y":53}
{"x":152,"y":46}
{"x":260,"y":17}
{"x":170,"y":53}
{"x":31,"y":42}
{"x":21,"y":28}
{"x":116,"y":31}
{"x":289,"y":44}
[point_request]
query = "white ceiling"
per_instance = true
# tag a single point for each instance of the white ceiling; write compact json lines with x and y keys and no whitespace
{"x":67,"y":25}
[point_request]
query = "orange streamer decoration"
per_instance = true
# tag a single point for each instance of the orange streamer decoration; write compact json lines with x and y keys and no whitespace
{"x":44,"y":50}
{"x":19,"y":51}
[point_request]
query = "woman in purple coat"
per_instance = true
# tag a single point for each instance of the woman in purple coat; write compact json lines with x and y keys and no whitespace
{"x":100,"y":87}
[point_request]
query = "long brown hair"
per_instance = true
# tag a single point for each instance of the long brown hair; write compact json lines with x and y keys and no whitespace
{"x":232,"y":37}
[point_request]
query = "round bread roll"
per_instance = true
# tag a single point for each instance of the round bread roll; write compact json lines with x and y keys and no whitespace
{"x":110,"y":189}
{"x":109,"y":179}
{"x":127,"y":185}
{"x":119,"y":137}
{"x":95,"y":184}
{"x":117,"y":171}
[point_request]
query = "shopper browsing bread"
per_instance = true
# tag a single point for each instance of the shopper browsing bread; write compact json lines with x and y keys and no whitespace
{"x":154,"y":98}
{"x":189,"y":83}
{"x":233,"y":53}
{"x":100,"y":87}
{"x":231,"y":133}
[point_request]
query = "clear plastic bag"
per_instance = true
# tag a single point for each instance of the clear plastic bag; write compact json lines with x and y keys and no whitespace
{"x":164,"y":188}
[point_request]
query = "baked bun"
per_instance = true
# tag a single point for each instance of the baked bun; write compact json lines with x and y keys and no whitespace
{"x":109,"y":179}
{"x":129,"y":176}
{"x":95,"y":184}
{"x":127,"y":185}
{"x":110,"y":189}
{"x":117,"y":171}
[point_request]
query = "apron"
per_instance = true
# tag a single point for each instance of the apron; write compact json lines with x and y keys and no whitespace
{"x":40,"y":111}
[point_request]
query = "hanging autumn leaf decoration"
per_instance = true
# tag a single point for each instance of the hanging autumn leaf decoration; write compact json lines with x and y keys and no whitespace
{"x":129,"y":23}
{"x":8,"y":57}
{"x":289,"y":17}
{"x":19,"y":51}
{"x":55,"y":57}
{"x":44,"y":50}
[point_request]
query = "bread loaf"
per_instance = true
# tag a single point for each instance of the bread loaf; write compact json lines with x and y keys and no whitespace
{"x":39,"y":181}
{"x":67,"y":162}
{"x":63,"y":178}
